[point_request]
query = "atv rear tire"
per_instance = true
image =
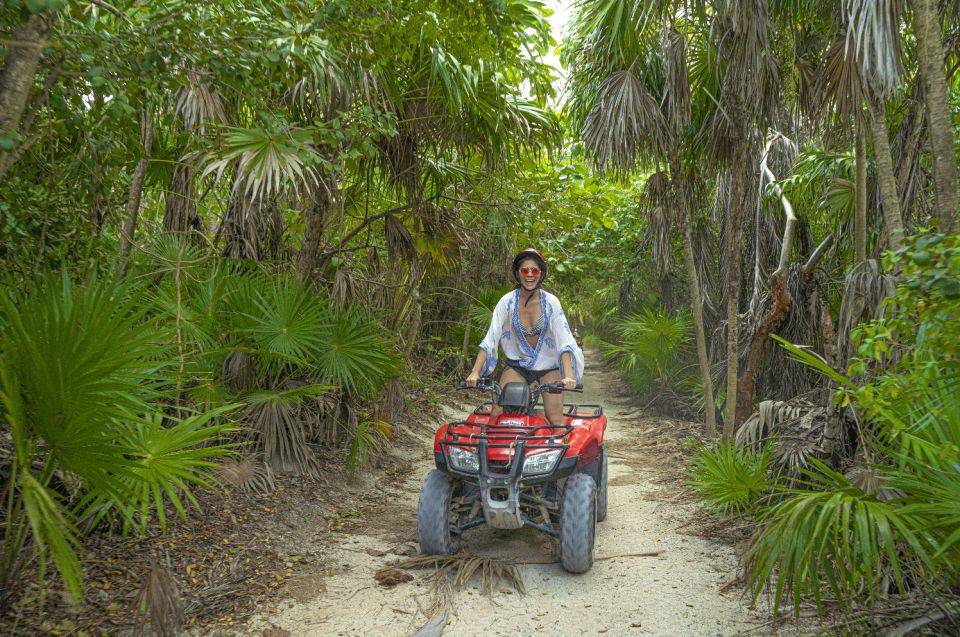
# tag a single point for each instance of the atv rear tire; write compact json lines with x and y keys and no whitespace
{"x":433,"y":515}
{"x":578,"y":523}
{"x":602,"y":486}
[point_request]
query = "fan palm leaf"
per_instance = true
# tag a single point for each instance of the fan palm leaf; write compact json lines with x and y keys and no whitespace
{"x":81,"y":372}
{"x":267,"y":161}
{"x":287,"y":322}
{"x":356,"y":354}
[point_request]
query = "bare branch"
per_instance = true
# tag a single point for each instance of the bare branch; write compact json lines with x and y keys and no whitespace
{"x":791,"y":221}
{"x":818,"y":253}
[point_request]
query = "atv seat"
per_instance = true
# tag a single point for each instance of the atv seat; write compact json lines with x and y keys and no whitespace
{"x":516,"y":395}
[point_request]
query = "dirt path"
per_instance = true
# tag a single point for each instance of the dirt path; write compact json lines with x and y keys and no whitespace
{"x":679,"y":592}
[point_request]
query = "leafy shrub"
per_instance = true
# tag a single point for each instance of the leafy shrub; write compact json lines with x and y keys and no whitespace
{"x":854,"y":540}
{"x":730,"y":480}
{"x":652,"y":349}
{"x":85,"y":375}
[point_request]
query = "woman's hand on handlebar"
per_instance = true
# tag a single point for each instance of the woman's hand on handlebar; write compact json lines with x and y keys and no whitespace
{"x":569,"y":383}
{"x":472,"y":379}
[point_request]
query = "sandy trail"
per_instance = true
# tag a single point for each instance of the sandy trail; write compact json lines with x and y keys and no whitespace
{"x":675,"y":593}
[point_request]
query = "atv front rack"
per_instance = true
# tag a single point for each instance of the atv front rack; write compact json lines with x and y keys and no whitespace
{"x":505,"y":436}
{"x":501,"y":482}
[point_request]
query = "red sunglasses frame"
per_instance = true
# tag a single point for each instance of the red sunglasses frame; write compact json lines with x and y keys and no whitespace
{"x":529,"y":271}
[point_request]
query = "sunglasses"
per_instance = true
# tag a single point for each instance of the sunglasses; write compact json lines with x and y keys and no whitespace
{"x":529,"y":271}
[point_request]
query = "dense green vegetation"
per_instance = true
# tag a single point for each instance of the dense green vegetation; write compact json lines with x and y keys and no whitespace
{"x":235,"y":233}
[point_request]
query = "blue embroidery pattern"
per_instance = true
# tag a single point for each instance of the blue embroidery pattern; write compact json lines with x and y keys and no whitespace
{"x":550,"y":343}
{"x":533,"y":354}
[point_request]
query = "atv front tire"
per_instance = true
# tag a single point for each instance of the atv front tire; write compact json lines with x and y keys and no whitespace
{"x":578,"y":523}
{"x":433,"y":515}
{"x":602,"y":486}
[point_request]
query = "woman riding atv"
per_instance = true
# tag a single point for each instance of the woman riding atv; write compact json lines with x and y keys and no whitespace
{"x":535,"y":337}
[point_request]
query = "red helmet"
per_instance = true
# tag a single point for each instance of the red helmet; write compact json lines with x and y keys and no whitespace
{"x":529,"y":253}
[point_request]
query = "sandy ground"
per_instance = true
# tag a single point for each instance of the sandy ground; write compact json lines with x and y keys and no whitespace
{"x":679,"y":592}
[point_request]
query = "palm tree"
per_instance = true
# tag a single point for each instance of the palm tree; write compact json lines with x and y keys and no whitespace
{"x":926,"y":26}
{"x":621,"y":58}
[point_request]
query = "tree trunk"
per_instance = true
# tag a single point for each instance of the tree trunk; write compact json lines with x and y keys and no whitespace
{"x":18,"y":73}
{"x":772,"y":319}
{"x":734,"y":233}
{"x":180,"y":211}
{"x":243,"y":225}
{"x":467,"y":332}
{"x":860,"y":212}
{"x":316,"y":220}
{"x":696,"y":300}
{"x":911,"y":143}
{"x":892,"y":219}
{"x":135,"y":192}
{"x":930,"y":59}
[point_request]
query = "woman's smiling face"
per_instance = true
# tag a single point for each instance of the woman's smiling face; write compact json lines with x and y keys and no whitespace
{"x":529,"y":273}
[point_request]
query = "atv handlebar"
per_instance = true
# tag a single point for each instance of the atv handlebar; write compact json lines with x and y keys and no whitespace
{"x":488,"y":384}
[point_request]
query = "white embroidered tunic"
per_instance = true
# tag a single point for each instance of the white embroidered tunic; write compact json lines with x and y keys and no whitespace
{"x":506,"y":331}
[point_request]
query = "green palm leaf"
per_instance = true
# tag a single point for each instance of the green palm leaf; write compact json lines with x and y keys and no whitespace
{"x":288,"y":323}
{"x":357,"y":355}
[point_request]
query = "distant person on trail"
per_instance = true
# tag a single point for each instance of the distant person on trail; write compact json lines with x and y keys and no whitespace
{"x":537,"y":343}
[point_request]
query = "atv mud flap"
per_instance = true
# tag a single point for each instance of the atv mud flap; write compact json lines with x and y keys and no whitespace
{"x":500,"y":492}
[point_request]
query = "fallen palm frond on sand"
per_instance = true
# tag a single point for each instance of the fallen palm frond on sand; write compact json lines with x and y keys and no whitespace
{"x":463,"y":566}
{"x":453,"y":572}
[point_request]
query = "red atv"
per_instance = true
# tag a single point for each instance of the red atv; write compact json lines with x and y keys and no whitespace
{"x":518,"y":470}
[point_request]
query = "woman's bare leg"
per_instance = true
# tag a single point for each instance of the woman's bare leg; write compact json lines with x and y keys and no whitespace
{"x":552,"y":403}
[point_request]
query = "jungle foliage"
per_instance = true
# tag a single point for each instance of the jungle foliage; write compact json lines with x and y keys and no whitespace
{"x":235,"y":234}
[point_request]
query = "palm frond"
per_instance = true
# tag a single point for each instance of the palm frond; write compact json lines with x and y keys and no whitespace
{"x":356,"y":354}
{"x":267,"y":162}
{"x":731,"y":480}
{"x":199,"y":105}
{"x":873,"y":38}
{"x":831,"y":532}
{"x":625,"y":127}
{"x":287,"y":323}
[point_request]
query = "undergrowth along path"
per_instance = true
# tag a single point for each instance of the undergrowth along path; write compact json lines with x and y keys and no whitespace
{"x":685,"y":585}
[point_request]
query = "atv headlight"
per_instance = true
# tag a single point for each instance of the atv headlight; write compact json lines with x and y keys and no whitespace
{"x":462,"y":460}
{"x":541,"y":462}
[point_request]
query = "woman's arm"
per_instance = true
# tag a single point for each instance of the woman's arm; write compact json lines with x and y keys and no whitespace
{"x":571,"y":356}
{"x":478,"y":365}
{"x":486,"y":360}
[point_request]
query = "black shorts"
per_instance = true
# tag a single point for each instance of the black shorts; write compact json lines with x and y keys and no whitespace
{"x":529,"y":375}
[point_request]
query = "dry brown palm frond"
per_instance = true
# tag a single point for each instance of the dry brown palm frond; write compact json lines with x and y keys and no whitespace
{"x":344,"y":289}
{"x":840,"y":86}
{"x":281,"y":434}
{"x":247,"y":473}
{"x":400,"y":243}
{"x":198,"y":105}
{"x":744,"y":29}
{"x":180,"y":204}
{"x":399,"y":159}
{"x":463,"y":566}
{"x":793,"y":453}
{"x":676,"y":94}
{"x":865,"y":289}
{"x":625,"y":127}
{"x":766,"y":421}
{"x":158,"y":602}
{"x":238,"y":372}
{"x":658,"y":203}
{"x":244,"y":226}
{"x":873,"y":38}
